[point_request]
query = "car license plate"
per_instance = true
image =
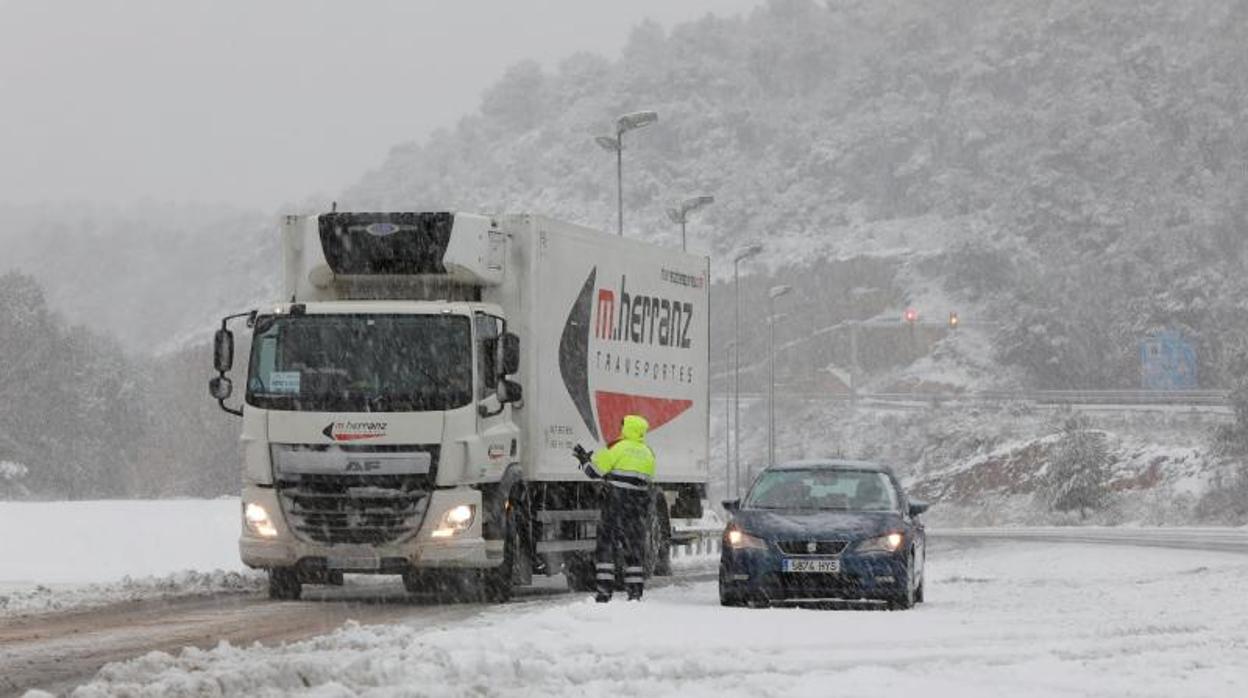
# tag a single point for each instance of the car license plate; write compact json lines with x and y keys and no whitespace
{"x":820,"y":565}
{"x":352,"y":558}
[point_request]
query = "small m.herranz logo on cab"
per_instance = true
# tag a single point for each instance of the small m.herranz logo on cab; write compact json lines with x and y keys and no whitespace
{"x":354,"y":431}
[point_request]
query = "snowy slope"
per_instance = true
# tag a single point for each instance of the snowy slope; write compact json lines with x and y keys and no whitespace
{"x":1017,"y":620}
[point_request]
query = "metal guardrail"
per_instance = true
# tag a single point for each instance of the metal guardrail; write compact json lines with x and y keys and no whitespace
{"x":698,"y":538}
{"x":1222,"y":539}
{"x":1215,"y":398}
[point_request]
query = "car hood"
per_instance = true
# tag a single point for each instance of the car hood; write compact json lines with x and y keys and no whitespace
{"x":816,"y":525}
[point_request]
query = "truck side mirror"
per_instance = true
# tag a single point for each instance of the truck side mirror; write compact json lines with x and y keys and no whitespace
{"x":732,"y":505}
{"x":509,"y":348}
{"x":917,"y":507}
{"x":223,"y":350}
{"x":220,"y":387}
{"x":509,"y":391}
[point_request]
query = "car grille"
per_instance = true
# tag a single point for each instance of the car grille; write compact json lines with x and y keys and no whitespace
{"x":802,"y":547}
{"x":354,"y":508}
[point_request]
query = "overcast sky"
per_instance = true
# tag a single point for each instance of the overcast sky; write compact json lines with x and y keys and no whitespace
{"x":262,"y":102}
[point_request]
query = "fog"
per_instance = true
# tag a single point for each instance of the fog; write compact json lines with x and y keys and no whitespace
{"x":260,"y":104}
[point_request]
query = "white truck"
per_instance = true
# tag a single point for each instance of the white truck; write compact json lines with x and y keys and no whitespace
{"x":412,"y":399}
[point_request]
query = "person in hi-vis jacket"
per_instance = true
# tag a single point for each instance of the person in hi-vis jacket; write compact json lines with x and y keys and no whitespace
{"x":627,"y":466}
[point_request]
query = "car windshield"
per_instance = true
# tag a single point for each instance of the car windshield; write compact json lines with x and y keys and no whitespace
{"x":361,"y":363}
{"x":840,"y":490}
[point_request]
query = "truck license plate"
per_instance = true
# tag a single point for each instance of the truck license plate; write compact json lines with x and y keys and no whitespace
{"x":825,"y":565}
{"x":352,"y":558}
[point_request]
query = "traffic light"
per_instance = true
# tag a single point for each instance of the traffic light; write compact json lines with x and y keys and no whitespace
{"x":953,"y":320}
{"x":911,"y":316}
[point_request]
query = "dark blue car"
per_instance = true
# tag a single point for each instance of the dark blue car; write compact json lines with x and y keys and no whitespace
{"x":823,"y":530}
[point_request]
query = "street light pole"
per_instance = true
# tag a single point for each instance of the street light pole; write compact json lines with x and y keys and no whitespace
{"x":625,"y":123}
{"x":772,"y":294}
{"x":727,"y":425}
{"x":681,"y":213}
{"x":741,"y":255}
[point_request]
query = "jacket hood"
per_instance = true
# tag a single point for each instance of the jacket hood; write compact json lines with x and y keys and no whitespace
{"x":634,"y":428}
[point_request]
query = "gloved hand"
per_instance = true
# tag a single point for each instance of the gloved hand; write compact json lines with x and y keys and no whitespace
{"x":582,"y":456}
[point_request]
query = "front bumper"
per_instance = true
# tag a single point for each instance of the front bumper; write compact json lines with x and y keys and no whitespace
{"x":467,"y":549}
{"x":758,"y":574}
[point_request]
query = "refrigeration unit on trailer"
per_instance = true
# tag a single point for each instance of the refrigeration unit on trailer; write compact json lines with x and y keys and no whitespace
{"x":412,"y":399}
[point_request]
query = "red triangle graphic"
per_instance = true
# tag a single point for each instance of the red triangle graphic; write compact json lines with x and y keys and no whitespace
{"x":612,"y":407}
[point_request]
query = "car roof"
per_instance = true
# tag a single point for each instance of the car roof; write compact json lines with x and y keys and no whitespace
{"x":830,"y":464}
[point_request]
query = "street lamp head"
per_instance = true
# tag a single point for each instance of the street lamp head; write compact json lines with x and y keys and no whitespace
{"x":747,"y":252}
{"x":697,"y":202}
{"x":608,"y":143}
{"x":637,"y":119}
{"x":781,"y":290}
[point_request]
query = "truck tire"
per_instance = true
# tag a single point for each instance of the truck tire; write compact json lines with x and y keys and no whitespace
{"x":498,"y":583}
{"x":578,"y":569}
{"x":659,"y":546}
{"x":284,"y":584}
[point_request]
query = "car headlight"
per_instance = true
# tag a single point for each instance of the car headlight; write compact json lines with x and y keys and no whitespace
{"x":257,"y":520}
{"x":886,"y":543}
{"x":456,"y":519}
{"x":740,"y":540}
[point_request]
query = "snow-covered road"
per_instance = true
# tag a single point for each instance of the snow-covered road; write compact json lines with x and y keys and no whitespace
{"x":1003,"y":618}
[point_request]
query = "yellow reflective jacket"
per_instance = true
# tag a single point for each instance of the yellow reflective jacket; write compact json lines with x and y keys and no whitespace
{"x":628,"y":457}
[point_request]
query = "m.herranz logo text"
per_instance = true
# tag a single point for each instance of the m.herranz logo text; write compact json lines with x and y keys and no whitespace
{"x":642,"y":319}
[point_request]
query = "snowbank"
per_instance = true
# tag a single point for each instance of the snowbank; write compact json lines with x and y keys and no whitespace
{"x":1002,"y":620}
{"x":59,"y":555}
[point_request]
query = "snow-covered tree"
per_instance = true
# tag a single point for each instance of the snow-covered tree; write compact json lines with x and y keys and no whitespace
{"x":1077,"y":478}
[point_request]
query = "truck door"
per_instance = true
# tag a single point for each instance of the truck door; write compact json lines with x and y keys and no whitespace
{"x":494,"y":421}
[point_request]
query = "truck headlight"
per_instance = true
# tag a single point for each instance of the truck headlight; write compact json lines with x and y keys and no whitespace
{"x":740,"y":540}
{"x":456,"y":519}
{"x":258,"y":521}
{"x":886,"y":543}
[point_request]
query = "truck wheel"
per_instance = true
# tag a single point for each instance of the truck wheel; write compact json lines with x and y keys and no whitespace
{"x":578,"y":569}
{"x":284,"y":584}
{"x":498,"y":583}
{"x":659,"y":548}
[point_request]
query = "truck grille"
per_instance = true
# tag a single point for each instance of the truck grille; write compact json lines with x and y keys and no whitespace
{"x":802,"y":547}
{"x":358,"y":509}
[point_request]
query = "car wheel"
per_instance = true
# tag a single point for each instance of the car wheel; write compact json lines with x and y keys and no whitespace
{"x":918,"y":593}
{"x":728,"y":598}
{"x":284,"y":584}
{"x":906,"y":598}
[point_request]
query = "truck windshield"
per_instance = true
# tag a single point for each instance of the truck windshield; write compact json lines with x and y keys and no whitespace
{"x":361,"y":363}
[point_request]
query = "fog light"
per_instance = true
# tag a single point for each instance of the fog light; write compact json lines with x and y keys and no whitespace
{"x":456,"y":519}
{"x":258,"y":521}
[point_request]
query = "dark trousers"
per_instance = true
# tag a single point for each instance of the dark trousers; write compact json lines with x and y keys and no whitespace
{"x":625,"y":523}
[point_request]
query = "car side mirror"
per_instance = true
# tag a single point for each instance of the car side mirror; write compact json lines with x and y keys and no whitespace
{"x":509,"y":391}
{"x":220,"y":387}
{"x":917,"y":507}
{"x":732,"y":505}
{"x":509,"y":354}
{"x":223,"y":350}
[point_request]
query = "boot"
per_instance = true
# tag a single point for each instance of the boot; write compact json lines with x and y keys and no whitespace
{"x":604,"y":596}
{"x":634,"y":592}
